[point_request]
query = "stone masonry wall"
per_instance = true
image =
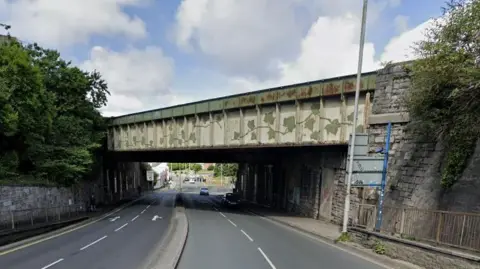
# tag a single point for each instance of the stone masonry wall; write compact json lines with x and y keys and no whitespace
{"x":20,"y":198}
{"x":414,"y":167}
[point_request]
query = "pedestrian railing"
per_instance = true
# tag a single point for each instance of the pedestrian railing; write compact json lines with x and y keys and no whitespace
{"x":17,"y":219}
{"x":457,"y":229}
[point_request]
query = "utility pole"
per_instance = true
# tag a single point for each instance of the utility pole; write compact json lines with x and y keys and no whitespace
{"x":221,"y":174}
{"x":355,"y":117}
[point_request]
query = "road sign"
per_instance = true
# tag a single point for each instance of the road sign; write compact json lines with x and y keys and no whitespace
{"x":367,"y":171}
{"x":150,"y":175}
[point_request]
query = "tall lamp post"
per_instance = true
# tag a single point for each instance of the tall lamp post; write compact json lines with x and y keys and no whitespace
{"x":355,"y":117}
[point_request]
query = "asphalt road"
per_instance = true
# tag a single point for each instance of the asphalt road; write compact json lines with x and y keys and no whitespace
{"x":222,"y":238}
{"x":121,"y":241}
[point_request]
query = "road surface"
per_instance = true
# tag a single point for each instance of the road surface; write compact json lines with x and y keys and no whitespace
{"x":220,"y":238}
{"x":121,"y":241}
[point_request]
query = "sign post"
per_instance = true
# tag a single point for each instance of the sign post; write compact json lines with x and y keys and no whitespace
{"x":384,"y":179}
{"x":150,"y":175}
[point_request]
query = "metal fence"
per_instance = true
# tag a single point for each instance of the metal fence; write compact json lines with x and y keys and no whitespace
{"x":17,"y":219}
{"x":449,"y":228}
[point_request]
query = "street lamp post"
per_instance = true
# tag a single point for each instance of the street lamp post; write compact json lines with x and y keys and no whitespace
{"x":355,"y":116}
{"x":221,"y":174}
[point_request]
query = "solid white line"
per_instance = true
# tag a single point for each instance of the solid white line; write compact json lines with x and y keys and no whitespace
{"x":266,"y":258}
{"x":119,"y":228}
{"x":93,"y":243}
{"x":143,"y":211}
{"x":52,"y":264}
{"x":135,"y":218}
{"x":248,"y":236}
{"x":233,"y":223}
{"x":222,"y":215}
{"x":148,"y":206}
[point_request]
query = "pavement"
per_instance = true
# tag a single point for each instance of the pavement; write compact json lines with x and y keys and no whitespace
{"x":234,"y":239}
{"x":121,"y":241}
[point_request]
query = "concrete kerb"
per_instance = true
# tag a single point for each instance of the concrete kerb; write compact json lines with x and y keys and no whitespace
{"x":50,"y":235}
{"x":167,"y":253}
{"x":363,"y":253}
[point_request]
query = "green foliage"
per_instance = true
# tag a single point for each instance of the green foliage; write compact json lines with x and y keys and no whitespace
{"x":50,"y":128}
{"x":184,"y":166}
{"x":196,"y":167}
{"x":444,"y":100}
{"x":210,"y":168}
{"x":227,"y":169}
{"x":344,"y":237}
{"x":379,"y":248}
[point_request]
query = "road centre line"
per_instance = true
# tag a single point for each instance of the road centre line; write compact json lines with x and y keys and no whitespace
{"x":121,"y":227}
{"x":222,"y":214}
{"x":135,"y":217}
{"x":52,"y":264}
{"x":266,"y":258}
{"x":248,"y":236}
{"x":143,"y":211}
{"x":94,"y":242}
{"x":233,"y":223}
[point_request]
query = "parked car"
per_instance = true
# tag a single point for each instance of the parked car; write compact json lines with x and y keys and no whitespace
{"x":231,"y":200}
{"x":204,"y":191}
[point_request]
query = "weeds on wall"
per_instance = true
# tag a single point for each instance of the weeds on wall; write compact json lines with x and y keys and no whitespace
{"x":444,"y":100}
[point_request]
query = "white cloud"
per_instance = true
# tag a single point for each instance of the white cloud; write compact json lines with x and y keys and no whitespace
{"x":276,"y":42}
{"x":236,"y":34}
{"x":60,"y":23}
{"x":400,"y":48}
{"x":395,"y":3}
{"x":401,"y":23}
{"x":137,"y":79}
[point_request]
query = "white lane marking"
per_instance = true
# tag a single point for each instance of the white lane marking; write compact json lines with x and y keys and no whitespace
{"x":135,"y":218}
{"x":148,"y":206}
{"x":248,"y":236}
{"x":143,"y":211}
{"x":222,"y":214}
{"x":156,"y":217}
{"x":121,"y":227}
{"x":317,"y":239}
{"x":233,"y":223}
{"x":215,"y":208}
{"x":266,"y":258}
{"x":93,"y":243}
{"x":115,"y":218}
{"x":52,"y":264}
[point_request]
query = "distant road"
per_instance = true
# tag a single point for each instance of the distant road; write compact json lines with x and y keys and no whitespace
{"x":121,"y":241}
{"x":220,"y":238}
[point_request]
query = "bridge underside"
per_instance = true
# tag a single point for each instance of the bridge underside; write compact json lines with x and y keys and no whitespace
{"x":225,"y":155}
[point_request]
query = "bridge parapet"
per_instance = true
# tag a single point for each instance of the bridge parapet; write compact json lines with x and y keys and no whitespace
{"x":319,"y":112}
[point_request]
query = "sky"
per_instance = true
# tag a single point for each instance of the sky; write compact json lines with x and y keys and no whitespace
{"x":155,"y":53}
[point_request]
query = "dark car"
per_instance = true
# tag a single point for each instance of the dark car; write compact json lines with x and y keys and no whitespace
{"x":204,"y":191}
{"x":231,"y":200}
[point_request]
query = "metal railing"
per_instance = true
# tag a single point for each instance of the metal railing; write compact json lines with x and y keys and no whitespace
{"x":457,"y":229}
{"x":17,"y":219}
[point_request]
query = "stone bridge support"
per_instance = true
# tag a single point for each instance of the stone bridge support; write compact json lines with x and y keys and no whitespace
{"x":306,"y":184}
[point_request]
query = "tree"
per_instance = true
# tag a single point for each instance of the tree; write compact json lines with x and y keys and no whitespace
{"x":210,"y":168}
{"x":26,"y":110}
{"x":50,"y":127}
{"x":228,"y":169}
{"x":78,"y":128}
{"x":196,"y":167}
{"x":444,"y":100}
